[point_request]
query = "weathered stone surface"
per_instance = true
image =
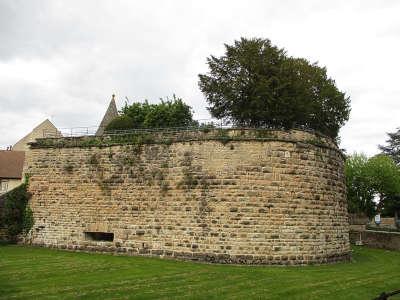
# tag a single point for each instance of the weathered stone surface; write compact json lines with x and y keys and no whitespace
{"x":250,"y":202}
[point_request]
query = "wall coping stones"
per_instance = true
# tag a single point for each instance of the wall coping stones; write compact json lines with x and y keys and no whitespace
{"x":303,"y":139}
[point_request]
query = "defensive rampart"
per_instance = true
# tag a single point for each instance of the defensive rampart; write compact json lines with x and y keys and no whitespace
{"x":228,"y":196}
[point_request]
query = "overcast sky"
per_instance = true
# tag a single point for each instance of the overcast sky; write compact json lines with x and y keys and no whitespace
{"x":63,"y":59}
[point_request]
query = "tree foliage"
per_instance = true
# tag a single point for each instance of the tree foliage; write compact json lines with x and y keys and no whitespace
{"x":385,"y":180}
{"x":393,"y":147}
{"x":375,"y":178}
{"x":169,"y":113}
{"x":255,"y":83}
{"x":360,"y":193}
{"x":384,"y":175}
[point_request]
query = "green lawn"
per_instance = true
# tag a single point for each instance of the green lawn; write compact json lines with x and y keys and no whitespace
{"x":37,"y":273}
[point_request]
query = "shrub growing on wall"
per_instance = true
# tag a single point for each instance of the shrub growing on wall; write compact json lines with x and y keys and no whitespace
{"x":169,"y":113}
{"x":17,"y":217}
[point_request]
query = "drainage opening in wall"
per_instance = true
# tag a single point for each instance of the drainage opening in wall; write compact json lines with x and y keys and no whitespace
{"x":99,"y":236}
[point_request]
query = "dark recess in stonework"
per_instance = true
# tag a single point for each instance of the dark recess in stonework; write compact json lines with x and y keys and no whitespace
{"x":99,"y":236}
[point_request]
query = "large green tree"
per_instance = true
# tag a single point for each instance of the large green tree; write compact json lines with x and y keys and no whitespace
{"x":373,"y":185}
{"x":257,"y":84}
{"x":360,"y":192}
{"x":393,"y":146}
{"x":168,"y":113}
{"x":384,"y":176}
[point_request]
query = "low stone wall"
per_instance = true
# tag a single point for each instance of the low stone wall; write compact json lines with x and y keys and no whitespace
{"x":388,"y":222}
{"x":377,"y":239}
{"x":357,"y":227}
{"x":358,"y":222}
{"x":358,"y":219}
{"x":230,"y":196}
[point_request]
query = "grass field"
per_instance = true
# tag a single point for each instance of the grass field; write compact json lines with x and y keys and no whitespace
{"x":37,"y":273}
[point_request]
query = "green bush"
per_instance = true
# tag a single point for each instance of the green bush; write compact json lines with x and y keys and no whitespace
{"x":121,"y":123}
{"x":169,"y":113}
{"x":17,"y":217}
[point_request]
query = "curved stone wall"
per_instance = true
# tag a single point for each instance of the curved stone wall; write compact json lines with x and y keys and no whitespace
{"x":269,"y":198}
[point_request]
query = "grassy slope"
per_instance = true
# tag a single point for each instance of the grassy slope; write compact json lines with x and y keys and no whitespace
{"x":27,"y":273}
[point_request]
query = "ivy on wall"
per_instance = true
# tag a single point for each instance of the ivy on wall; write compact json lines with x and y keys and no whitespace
{"x":16,"y":216}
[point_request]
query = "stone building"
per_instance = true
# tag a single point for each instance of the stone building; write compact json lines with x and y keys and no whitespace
{"x":12,"y":160}
{"x":46,"y":128}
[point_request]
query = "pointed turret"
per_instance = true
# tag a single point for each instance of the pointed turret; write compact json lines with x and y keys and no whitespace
{"x":110,"y":115}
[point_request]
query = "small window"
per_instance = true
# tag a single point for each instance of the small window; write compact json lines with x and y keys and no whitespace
{"x":99,"y":236}
{"x":3,"y":185}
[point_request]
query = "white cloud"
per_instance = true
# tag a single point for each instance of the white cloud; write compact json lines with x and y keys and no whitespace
{"x":65,"y":58}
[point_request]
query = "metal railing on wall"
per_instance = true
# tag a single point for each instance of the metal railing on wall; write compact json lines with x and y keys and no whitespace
{"x":92,"y":130}
{"x":201,"y":125}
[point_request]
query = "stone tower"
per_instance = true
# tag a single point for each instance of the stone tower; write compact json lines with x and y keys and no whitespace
{"x":110,"y":115}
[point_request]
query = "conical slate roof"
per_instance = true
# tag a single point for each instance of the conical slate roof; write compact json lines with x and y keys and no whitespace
{"x":110,"y":115}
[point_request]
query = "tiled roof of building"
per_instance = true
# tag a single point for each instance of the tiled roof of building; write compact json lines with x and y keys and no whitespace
{"x":11,"y":164}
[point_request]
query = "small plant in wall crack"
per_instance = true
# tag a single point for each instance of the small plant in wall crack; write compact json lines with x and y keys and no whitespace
{"x":93,"y":159}
{"x":164,"y":187}
{"x":188,"y":181}
{"x":69,"y":168}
